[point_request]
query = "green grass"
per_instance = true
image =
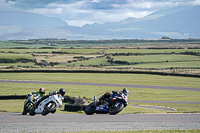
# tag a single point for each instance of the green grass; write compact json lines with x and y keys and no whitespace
{"x":161,"y":65}
{"x":156,"y":58}
{"x":96,"y":61}
{"x":18,"y":64}
{"x":97,"y":50}
{"x":12,"y":44}
{"x":117,"y":78}
{"x":15,"y":56}
{"x":173,"y":60}
{"x":168,"y":64}
{"x":90,"y":91}
{"x":78,"y":50}
{"x":150,"y":50}
{"x":85,"y":51}
{"x":27,"y":50}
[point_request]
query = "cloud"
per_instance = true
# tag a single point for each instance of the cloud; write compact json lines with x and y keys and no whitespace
{"x":81,"y":12}
{"x":6,"y":6}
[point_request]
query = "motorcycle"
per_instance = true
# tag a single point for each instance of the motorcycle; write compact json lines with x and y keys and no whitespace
{"x":48,"y":104}
{"x":115,"y":104}
{"x":29,"y":103}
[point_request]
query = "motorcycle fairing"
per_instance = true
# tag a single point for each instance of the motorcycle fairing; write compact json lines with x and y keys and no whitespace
{"x":102,"y":108}
{"x":42,"y":105}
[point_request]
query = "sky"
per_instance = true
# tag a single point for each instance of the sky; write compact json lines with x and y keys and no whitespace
{"x":81,"y":12}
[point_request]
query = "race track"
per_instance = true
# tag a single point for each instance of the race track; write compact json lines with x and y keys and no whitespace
{"x":15,"y":122}
{"x":114,"y":85}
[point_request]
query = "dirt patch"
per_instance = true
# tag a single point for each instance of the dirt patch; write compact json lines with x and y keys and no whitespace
{"x":156,"y":107}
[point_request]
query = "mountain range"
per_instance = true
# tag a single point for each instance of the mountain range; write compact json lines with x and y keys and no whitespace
{"x":176,"y":23}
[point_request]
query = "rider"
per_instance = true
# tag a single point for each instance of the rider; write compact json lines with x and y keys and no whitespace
{"x":124,"y":93}
{"x":41,"y":92}
{"x":107,"y":96}
{"x":60,"y":91}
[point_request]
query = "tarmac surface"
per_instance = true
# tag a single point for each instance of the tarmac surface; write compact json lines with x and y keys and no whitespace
{"x":15,"y":122}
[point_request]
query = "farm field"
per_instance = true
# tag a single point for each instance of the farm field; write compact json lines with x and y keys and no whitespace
{"x":15,"y":56}
{"x":146,"y":51}
{"x":98,"y":58}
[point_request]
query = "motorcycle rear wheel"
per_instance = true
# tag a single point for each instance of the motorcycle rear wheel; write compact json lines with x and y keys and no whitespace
{"x":116,"y":110}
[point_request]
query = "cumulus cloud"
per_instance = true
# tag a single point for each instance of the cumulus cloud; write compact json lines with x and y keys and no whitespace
{"x":81,"y":12}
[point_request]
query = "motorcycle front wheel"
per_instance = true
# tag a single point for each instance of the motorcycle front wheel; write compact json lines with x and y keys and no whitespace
{"x":90,"y":109}
{"x":48,"y":109}
{"x":53,"y":111}
{"x":32,"y":112}
{"x":26,"y":109}
{"x":113,"y":110}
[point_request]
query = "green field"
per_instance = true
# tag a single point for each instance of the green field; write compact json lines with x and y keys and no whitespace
{"x":143,"y":51}
{"x":15,"y":56}
{"x":156,"y":58}
{"x":66,"y":57}
{"x":117,"y":78}
{"x":70,"y":50}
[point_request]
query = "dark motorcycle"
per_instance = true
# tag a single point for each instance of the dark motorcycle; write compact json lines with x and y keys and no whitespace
{"x":113,"y":106}
{"x":29,"y":103}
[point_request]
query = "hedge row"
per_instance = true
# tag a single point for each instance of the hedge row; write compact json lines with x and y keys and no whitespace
{"x":95,"y":71}
{"x":23,"y":60}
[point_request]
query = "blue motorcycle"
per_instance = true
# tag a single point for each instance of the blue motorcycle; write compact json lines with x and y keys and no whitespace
{"x":113,"y":106}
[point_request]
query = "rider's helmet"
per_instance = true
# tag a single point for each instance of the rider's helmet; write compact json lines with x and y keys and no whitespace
{"x":61,"y":91}
{"x":125,"y":91}
{"x":42,"y":90}
{"x":107,"y":95}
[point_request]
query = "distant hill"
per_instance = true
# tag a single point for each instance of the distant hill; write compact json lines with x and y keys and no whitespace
{"x":182,"y":23}
{"x":179,"y":22}
{"x":24,"y":21}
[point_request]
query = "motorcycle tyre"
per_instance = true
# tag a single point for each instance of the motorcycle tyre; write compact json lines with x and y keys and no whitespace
{"x":117,"y":110}
{"x":47,"y":111}
{"x":26,"y":109}
{"x":91,"y":111}
{"x":53,"y":111}
{"x":32,"y":112}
